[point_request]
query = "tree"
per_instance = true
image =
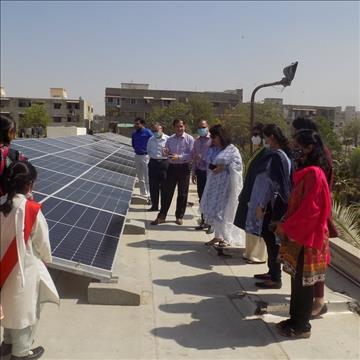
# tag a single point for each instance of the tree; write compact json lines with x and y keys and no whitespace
{"x":238,"y":121}
{"x":352,"y":131}
{"x":166,"y":115}
{"x":201,"y":109}
{"x":328,"y":134}
{"x":36,"y":115}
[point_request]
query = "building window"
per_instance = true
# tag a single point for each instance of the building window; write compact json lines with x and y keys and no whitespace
{"x":216,"y":104}
{"x":57,"y":119}
{"x":166,"y":103}
{"x":69,"y":106}
{"x":132,"y":101}
{"x":24,"y":103}
{"x":110,"y":100}
{"x":77,"y":106}
{"x":69,"y":118}
{"x":57,"y":105}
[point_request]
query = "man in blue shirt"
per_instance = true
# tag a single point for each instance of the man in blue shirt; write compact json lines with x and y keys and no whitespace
{"x":139,"y":140}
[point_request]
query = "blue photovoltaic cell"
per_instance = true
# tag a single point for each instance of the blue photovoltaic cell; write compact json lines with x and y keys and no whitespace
{"x":58,"y":143}
{"x":83,"y":235}
{"x":76,"y":156}
{"x":48,"y":182}
{"x":65,"y":166}
{"x":109,"y":165}
{"x":27,"y":152}
{"x":84,"y":197}
{"x":39,"y":145}
{"x":97,"y":195}
{"x":110,"y":178}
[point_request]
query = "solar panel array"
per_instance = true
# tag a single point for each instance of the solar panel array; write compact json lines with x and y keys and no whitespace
{"x":85,"y":185}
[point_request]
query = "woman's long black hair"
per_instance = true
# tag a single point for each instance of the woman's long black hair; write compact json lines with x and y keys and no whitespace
{"x":317,"y":157}
{"x":222,"y":133}
{"x":18,"y":177}
{"x":276,"y":132}
{"x":6,"y":124}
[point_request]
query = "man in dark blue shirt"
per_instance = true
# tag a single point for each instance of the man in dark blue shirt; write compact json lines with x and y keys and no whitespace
{"x":139,"y":140}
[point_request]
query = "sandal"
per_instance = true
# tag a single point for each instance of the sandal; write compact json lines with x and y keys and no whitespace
{"x":223,"y":244}
{"x":212,"y":242}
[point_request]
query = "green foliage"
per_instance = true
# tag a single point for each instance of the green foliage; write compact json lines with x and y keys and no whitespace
{"x":328,"y":134}
{"x":347,"y":222}
{"x":36,"y":115}
{"x":238,"y":120}
{"x":352,"y":132}
{"x":354,"y":163}
{"x":167,"y":115}
{"x":201,"y":109}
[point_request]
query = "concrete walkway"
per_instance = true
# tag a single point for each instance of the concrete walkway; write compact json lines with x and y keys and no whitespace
{"x":193,"y":306}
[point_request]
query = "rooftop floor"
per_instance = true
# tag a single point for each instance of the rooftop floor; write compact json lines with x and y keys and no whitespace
{"x":191,"y":306}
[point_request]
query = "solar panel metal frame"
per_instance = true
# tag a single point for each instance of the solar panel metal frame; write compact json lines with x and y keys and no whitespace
{"x":110,"y":148}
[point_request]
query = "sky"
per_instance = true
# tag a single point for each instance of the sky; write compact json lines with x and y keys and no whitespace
{"x":86,"y":46}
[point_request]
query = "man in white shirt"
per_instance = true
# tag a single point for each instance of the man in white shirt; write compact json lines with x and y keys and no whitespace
{"x":158,"y":165}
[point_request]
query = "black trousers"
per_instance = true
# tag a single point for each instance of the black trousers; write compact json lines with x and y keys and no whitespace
{"x":157,"y":179}
{"x":272,"y":248}
{"x":200,"y":181}
{"x":200,"y":185}
{"x":177,"y":174}
{"x":301,"y":298}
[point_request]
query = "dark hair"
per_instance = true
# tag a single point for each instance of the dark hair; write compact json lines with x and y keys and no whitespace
{"x":18,"y":176}
{"x":218,"y":130}
{"x":140,"y":120}
{"x":177,"y":121}
{"x":276,"y":132}
{"x":258,"y":129}
{"x":6,"y":124}
{"x":317,"y":157}
{"x":304,"y":123}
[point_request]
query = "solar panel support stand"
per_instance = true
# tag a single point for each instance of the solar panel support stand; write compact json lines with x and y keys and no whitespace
{"x":134,"y":227}
{"x":138,"y":200}
{"x":124,"y":292}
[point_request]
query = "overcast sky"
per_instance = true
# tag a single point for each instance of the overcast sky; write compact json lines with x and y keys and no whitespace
{"x":205,"y":46}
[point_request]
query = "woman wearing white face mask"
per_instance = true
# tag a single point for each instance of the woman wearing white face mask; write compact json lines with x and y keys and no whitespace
{"x":268,"y":201}
{"x":255,"y":249}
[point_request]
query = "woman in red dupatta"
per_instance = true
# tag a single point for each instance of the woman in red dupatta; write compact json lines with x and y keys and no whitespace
{"x":304,"y":250}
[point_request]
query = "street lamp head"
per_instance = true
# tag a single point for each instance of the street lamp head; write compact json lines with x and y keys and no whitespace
{"x":289,"y":72}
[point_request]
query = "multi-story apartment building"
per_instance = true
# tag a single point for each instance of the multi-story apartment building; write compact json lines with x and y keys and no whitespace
{"x":123,"y":105}
{"x":62,"y":111}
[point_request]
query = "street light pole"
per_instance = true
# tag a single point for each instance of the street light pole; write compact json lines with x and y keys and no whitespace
{"x":289,"y":72}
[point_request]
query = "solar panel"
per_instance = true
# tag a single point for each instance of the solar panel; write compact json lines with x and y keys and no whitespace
{"x":85,"y":185}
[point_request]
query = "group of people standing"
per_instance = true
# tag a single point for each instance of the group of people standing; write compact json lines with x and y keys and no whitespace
{"x":25,"y":282}
{"x":280,"y":212}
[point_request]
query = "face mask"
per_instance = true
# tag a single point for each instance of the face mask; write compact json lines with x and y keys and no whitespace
{"x":297,"y":154}
{"x":267,"y":146}
{"x":256,"y":140}
{"x":203,"y":131}
{"x":157,"y":134}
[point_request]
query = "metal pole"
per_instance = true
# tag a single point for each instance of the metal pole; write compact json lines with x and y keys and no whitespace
{"x":252,"y":109}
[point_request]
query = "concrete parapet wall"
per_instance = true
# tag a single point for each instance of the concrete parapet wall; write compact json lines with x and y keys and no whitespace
{"x":346,"y":258}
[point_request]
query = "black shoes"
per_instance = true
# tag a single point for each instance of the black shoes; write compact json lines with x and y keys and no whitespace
{"x":5,"y":349}
{"x":269,"y":284}
{"x":158,"y":221}
{"x":265,"y":276}
{"x":33,"y":355}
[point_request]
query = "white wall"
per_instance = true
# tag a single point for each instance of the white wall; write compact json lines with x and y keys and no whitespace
{"x":57,"y":131}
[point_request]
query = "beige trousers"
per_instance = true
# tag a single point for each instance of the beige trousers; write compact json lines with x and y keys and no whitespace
{"x":255,"y":249}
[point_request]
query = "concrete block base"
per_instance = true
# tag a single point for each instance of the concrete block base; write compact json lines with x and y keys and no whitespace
{"x":134,"y":227}
{"x":138,"y":200}
{"x":124,"y":292}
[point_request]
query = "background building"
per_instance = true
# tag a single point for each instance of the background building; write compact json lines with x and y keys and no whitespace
{"x":123,"y":105}
{"x":61,"y":110}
